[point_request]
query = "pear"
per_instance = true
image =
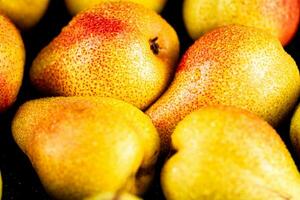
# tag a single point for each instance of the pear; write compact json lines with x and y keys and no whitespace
{"x":230,"y":154}
{"x":12,"y":61}
{"x":112,"y":196}
{"x":24,"y":13}
{"x":75,"y":6}
{"x":83,"y":146}
{"x":279,"y":18}
{"x":295,"y":130}
{"x":232,"y":65}
{"x":118,"y":49}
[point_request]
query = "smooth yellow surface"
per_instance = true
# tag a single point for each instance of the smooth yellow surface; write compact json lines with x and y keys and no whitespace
{"x":82,"y":146}
{"x":25,"y":13}
{"x":223,"y":153}
{"x":76,"y":6}
{"x":295,"y":130}
{"x":113,"y":196}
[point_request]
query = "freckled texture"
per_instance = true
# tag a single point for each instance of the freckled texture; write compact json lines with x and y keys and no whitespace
{"x":12,"y":60}
{"x":278,"y":17}
{"x":295,"y":131}
{"x":224,"y":153}
{"x":75,"y":6}
{"x":112,"y":196}
{"x":82,"y":146}
{"x":24,"y":13}
{"x":232,"y":65}
{"x":105,"y":51}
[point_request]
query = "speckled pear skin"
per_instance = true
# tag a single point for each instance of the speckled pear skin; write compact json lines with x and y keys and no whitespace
{"x":83,"y":146}
{"x":24,"y":13}
{"x":278,"y":17}
{"x":229,"y":154}
{"x":106,"y":51}
{"x":12,"y":61}
{"x":75,"y":6}
{"x":231,"y":65}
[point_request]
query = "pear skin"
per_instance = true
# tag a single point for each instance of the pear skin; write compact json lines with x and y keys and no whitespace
{"x":232,"y":65}
{"x":12,"y":61}
{"x":278,"y":17}
{"x":24,"y":13}
{"x":295,"y":131}
{"x":83,"y":146}
{"x":230,"y":154}
{"x":119,"y":49}
{"x":75,"y":6}
{"x":113,"y":196}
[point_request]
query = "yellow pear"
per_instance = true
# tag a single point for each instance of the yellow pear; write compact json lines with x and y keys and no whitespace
{"x":12,"y":61}
{"x":224,"y":153}
{"x":83,"y":146}
{"x":118,"y":49}
{"x":75,"y":6}
{"x":24,"y":13}
{"x":232,"y":65}
{"x":113,"y":196}
{"x":295,"y":130}
{"x":278,"y":17}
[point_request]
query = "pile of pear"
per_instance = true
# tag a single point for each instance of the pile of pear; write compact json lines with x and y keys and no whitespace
{"x":121,"y":99}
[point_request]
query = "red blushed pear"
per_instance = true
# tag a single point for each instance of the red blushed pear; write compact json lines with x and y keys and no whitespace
{"x":12,"y":60}
{"x":278,"y":17}
{"x":232,"y":65}
{"x":119,"y":49}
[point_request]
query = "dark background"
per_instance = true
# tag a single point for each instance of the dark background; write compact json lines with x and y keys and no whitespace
{"x":19,"y":179}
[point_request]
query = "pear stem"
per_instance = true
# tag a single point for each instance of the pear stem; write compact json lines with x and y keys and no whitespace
{"x":154,"y":46}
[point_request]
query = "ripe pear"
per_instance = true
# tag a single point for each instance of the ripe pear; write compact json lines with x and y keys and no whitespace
{"x":75,"y":6}
{"x":230,"y":154}
{"x":12,"y":61}
{"x":83,"y":146}
{"x":232,"y":65}
{"x":295,"y":130}
{"x":24,"y":13}
{"x":113,"y":196}
{"x":118,"y":49}
{"x":277,"y":17}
